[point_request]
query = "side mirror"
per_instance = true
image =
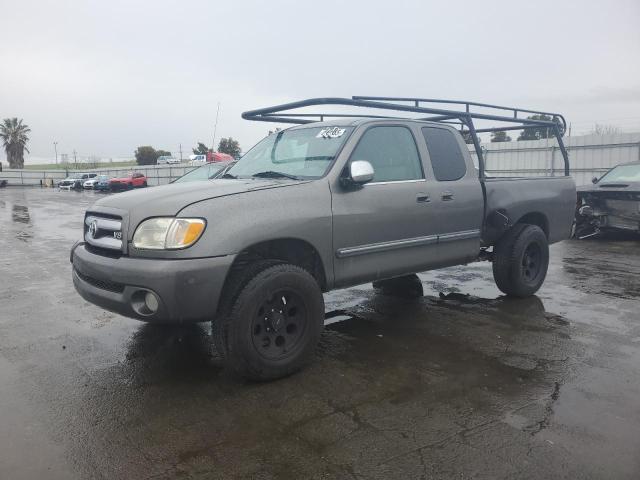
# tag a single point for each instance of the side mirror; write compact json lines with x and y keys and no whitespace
{"x":360,"y":172}
{"x":594,"y":180}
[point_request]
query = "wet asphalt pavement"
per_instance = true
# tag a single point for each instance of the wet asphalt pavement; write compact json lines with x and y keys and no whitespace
{"x":461,"y":383}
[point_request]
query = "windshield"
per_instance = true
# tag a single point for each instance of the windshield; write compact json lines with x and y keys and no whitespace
{"x":205,"y":172}
{"x":623,"y":173}
{"x":299,"y":153}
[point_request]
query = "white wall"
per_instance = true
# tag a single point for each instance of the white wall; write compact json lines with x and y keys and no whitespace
{"x":589,"y":156}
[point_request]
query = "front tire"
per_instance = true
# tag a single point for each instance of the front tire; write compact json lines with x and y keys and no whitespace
{"x":272,"y":323}
{"x":521,"y":259}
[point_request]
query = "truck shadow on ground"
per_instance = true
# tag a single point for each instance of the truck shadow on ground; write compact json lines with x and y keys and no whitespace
{"x":392,"y":378}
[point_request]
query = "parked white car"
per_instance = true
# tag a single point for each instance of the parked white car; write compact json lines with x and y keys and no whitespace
{"x":197,"y":160}
{"x":90,"y":184}
{"x":167,"y":159}
{"x":75,"y":181}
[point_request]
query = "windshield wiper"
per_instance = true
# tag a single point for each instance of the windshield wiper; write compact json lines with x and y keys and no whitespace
{"x":274,"y":174}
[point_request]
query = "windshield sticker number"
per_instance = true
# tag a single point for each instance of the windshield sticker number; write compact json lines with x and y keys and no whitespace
{"x":331,"y":132}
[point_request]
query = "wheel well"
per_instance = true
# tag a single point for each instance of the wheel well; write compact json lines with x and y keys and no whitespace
{"x":291,"y":250}
{"x":536,"y":218}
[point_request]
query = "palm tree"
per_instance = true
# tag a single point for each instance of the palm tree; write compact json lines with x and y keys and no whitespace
{"x":14,"y":137}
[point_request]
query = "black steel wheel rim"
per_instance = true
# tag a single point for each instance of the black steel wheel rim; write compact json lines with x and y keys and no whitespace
{"x":279,"y":325}
{"x":531,"y":262}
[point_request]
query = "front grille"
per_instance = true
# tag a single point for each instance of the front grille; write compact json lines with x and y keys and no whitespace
{"x":623,"y":208}
{"x":101,"y":284}
{"x":103,"y":231}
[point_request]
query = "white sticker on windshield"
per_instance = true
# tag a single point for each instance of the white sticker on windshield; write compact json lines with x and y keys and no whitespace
{"x":331,"y":132}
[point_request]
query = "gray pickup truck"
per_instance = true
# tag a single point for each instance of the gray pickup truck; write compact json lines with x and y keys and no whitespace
{"x":319,"y":206}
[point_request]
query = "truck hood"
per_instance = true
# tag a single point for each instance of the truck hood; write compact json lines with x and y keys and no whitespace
{"x":170,"y":199}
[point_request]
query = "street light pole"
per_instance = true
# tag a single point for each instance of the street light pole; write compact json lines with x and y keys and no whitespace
{"x":55,"y":147}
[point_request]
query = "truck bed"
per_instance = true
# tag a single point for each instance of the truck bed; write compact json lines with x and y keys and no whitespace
{"x":549,"y":201}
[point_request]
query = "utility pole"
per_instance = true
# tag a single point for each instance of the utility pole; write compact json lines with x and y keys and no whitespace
{"x":215,"y":127}
{"x":180,"y":153}
{"x":75,"y":160}
{"x":55,"y":147}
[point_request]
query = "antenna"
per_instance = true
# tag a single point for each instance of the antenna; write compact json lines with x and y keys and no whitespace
{"x":215,"y":127}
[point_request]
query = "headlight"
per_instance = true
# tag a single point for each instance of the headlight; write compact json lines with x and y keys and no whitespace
{"x":164,"y":233}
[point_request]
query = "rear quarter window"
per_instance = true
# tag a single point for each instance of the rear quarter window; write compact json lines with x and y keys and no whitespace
{"x":446,"y":157}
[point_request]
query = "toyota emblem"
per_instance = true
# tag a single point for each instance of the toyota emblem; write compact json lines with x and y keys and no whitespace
{"x":93,"y":229}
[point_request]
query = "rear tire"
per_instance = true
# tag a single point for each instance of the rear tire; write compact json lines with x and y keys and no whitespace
{"x":521,"y":259}
{"x":271,"y":321}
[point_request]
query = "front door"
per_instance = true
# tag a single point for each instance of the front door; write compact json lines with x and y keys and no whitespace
{"x":387,"y":227}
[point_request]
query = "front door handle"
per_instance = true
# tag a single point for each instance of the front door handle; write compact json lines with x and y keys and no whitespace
{"x":423,"y":198}
{"x":447,"y":195}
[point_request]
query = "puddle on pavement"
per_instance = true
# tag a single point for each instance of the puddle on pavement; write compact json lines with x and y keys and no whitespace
{"x":20,"y":214}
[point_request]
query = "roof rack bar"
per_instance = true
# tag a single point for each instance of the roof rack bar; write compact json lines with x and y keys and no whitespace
{"x":335,"y":115}
{"x":260,"y":113}
{"x":517,"y":127}
{"x":454,"y":102}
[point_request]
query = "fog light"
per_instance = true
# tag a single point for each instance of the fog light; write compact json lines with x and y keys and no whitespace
{"x":151,"y":302}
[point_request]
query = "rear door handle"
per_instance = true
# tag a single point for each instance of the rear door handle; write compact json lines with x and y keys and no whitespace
{"x":423,"y":198}
{"x":446,"y":196}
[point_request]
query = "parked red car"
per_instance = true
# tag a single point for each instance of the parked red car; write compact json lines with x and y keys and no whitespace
{"x":133,"y":180}
{"x":219,"y":157}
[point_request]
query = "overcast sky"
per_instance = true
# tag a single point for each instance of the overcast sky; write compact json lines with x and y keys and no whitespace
{"x":104,"y":77}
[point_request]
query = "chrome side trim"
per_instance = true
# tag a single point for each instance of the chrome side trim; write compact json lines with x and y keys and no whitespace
{"x":463,"y":235}
{"x":405,"y":243}
{"x":385,"y":246}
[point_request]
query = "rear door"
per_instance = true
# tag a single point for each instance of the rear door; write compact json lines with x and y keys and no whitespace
{"x":457,"y":195}
{"x":386,"y":227}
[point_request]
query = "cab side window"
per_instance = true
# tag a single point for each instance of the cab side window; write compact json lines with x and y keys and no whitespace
{"x":392,"y":152}
{"x":446,"y":157}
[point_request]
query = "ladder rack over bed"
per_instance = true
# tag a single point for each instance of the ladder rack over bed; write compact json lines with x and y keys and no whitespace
{"x":452,"y":112}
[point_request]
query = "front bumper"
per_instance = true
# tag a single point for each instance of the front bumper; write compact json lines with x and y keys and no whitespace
{"x":188,"y":290}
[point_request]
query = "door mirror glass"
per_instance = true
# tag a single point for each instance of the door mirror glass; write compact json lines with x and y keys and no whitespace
{"x":360,"y":172}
